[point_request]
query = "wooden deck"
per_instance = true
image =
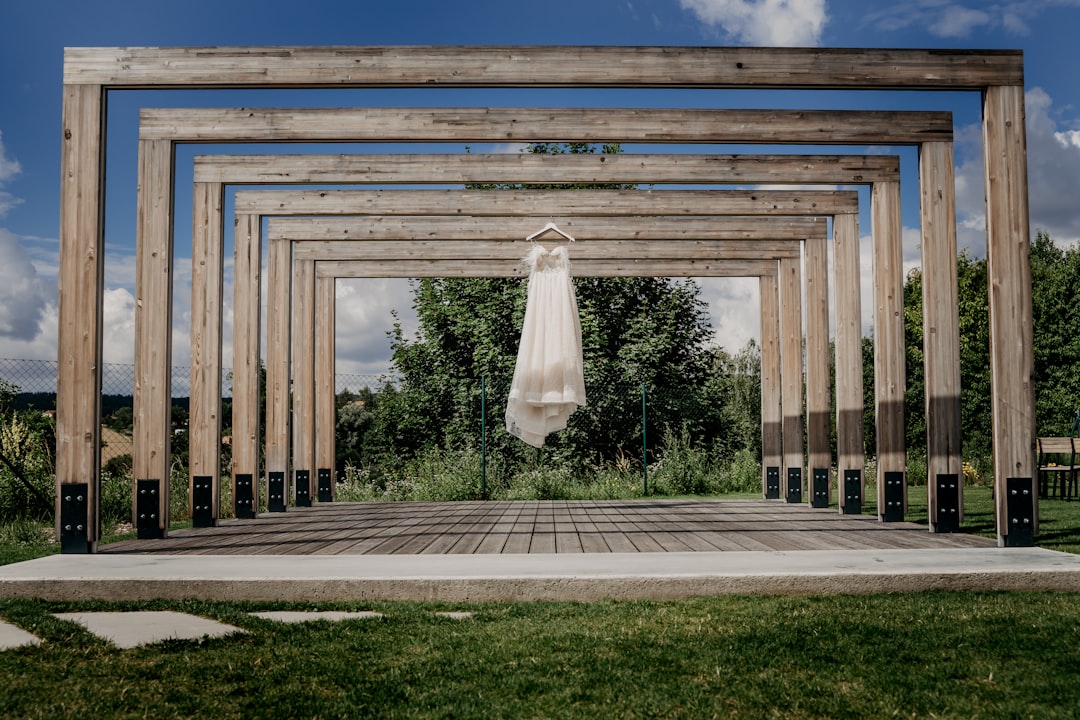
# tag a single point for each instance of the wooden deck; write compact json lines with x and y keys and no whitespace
{"x":556,"y":526}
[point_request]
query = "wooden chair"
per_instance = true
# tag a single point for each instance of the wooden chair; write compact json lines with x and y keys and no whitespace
{"x":1058,"y":459}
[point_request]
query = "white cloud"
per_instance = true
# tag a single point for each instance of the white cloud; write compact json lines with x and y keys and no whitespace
{"x":363,"y":318}
{"x":948,"y":19}
{"x":1053,"y":176}
{"x":22,"y":294}
{"x":9,"y":168}
{"x":787,"y":23}
{"x":734,"y":310}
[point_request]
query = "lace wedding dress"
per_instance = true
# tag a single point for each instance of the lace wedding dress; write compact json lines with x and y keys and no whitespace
{"x":549,"y":382}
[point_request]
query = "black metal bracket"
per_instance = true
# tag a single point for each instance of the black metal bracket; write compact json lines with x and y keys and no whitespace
{"x":244,"y":502}
{"x":794,"y":485}
{"x":853,"y":492}
{"x":326,"y":488}
{"x":772,"y":483}
{"x":1020,"y":509}
{"x":275,"y":494}
{"x":821,"y":488}
{"x":303,"y":488}
{"x":74,"y":518}
{"x":202,"y":501}
{"x":948,"y":503}
{"x":894,"y":497}
{"x":147,"y":509}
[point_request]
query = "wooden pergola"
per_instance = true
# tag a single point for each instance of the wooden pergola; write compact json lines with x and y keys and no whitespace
{"x":90,"y":73}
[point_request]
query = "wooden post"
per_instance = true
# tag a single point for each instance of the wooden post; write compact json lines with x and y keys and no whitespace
{"x":818,"y":417}
{"x":941,"y":337}
{"x":303,"y":371}
{"x":81,"y":284}
{"x":151,"y":437}
{"x":889,"y":363}
{"x":278,"y":389}
{"x":772,"y":445}
{"x":325,"y":389}
{"x":791,"y":381}
{"x":247,"y":247}
{"x":204,"y":427}
{"x":1011,"y":354}
{"x":849,"y":380}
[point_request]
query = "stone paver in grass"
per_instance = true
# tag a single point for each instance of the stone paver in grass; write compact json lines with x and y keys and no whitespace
{"x":131,"y":629}
{"x":291,"y":616}
{"x":453,"y":615}
{"x":13,"y":637}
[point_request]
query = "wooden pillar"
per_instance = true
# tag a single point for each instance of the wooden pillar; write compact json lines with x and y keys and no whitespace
{"x":247,"y":246}
{"x":791,"y":381}
{"x":849,"y":373}
{"x":1011,"y":353}
{"x":772,"y":446}
{"x":818,"y":417}
{"x":941,"y":337}
{"x":889,"y":374}
{"x":325,"y":387}
{"x":153,"y":335}
{"x":81,"y":283}
{"x":303,"y":370}
{"x":278,"y":390}
{"x":204,"y":427}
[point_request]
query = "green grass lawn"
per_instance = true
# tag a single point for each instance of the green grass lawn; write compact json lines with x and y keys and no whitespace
{"x":944,"y":655}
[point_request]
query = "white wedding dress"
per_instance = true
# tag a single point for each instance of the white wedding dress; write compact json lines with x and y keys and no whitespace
{"x":549,"y":381}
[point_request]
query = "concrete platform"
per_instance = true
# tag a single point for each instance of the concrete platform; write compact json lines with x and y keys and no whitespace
{"x":126,"y":630}
{"x":13,"y":637}
{"x":583,"y":576}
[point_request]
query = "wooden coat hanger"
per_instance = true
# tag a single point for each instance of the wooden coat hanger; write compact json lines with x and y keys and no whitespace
{"x":553,"y":228}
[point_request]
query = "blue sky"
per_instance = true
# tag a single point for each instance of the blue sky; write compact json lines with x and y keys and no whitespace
{"x":33,"y":35}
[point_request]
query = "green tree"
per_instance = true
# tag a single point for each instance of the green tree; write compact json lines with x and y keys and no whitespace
{"x":635,"y":331}
{"x":1055,"y":275}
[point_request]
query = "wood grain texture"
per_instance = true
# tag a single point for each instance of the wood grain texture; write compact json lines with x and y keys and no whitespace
{"x":542,"y":66}
{"x":512,"y":268}
{"x":772,"y":444}
{"x":204,"y":427}
{"x":1009,"y":267}
{"x":447,"y":168}
{"x":524,"y":124}
{"x":81,"y":284}
{"x":791,"y":365}
{"x":152,"y":435}
{"x":547,"y":203}
{"x":511,"y":229}
{"x":303,"y":366}
{"x":278,"y":344}
{"x":247,"y":269}
{"x":889,"y":343}
{"x":818,"y":390}
{"x":638,"y":250}
{"x":325,"y":389}
{"x":941,"y":321}
{"x":849,"y":376}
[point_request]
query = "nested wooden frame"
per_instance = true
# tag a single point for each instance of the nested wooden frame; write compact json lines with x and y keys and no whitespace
{"x":90,"y":73}
{"x":417,"y":124}
{"x":313,"y":402}
{"x":875,"y":170}
{"x":251,"y":206}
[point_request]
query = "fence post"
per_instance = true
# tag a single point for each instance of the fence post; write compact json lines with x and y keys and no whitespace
{"x":644,"y":444}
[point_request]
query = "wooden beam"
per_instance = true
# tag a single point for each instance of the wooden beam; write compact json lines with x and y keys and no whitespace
{"x":542,"y":66}
{"x":818,"y":391}
{"x":547,"y":203}
{"x":485,"y":124}
{"x":849,"y":366}
{"x":303,"y":371}
{"x":346,"y":228}
{"x":151,"y":436}
{"x":1009,"y":266}
{"x":889,"y":342}
{"x":325,"y":386}
{"x":941,"y":330}
{"x":614,"y":267}
{"x":81,"y":288}
{"x":772,"y":440}
{"x":791,"y":379}
{"x":514,"y":250}
{"x":207,"y":243}
{"x":278,"y":343}
{"x":246,"y":353}
{"x":460,"y":168}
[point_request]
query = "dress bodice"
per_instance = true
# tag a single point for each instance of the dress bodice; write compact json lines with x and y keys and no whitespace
{"x":540,"y":259}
